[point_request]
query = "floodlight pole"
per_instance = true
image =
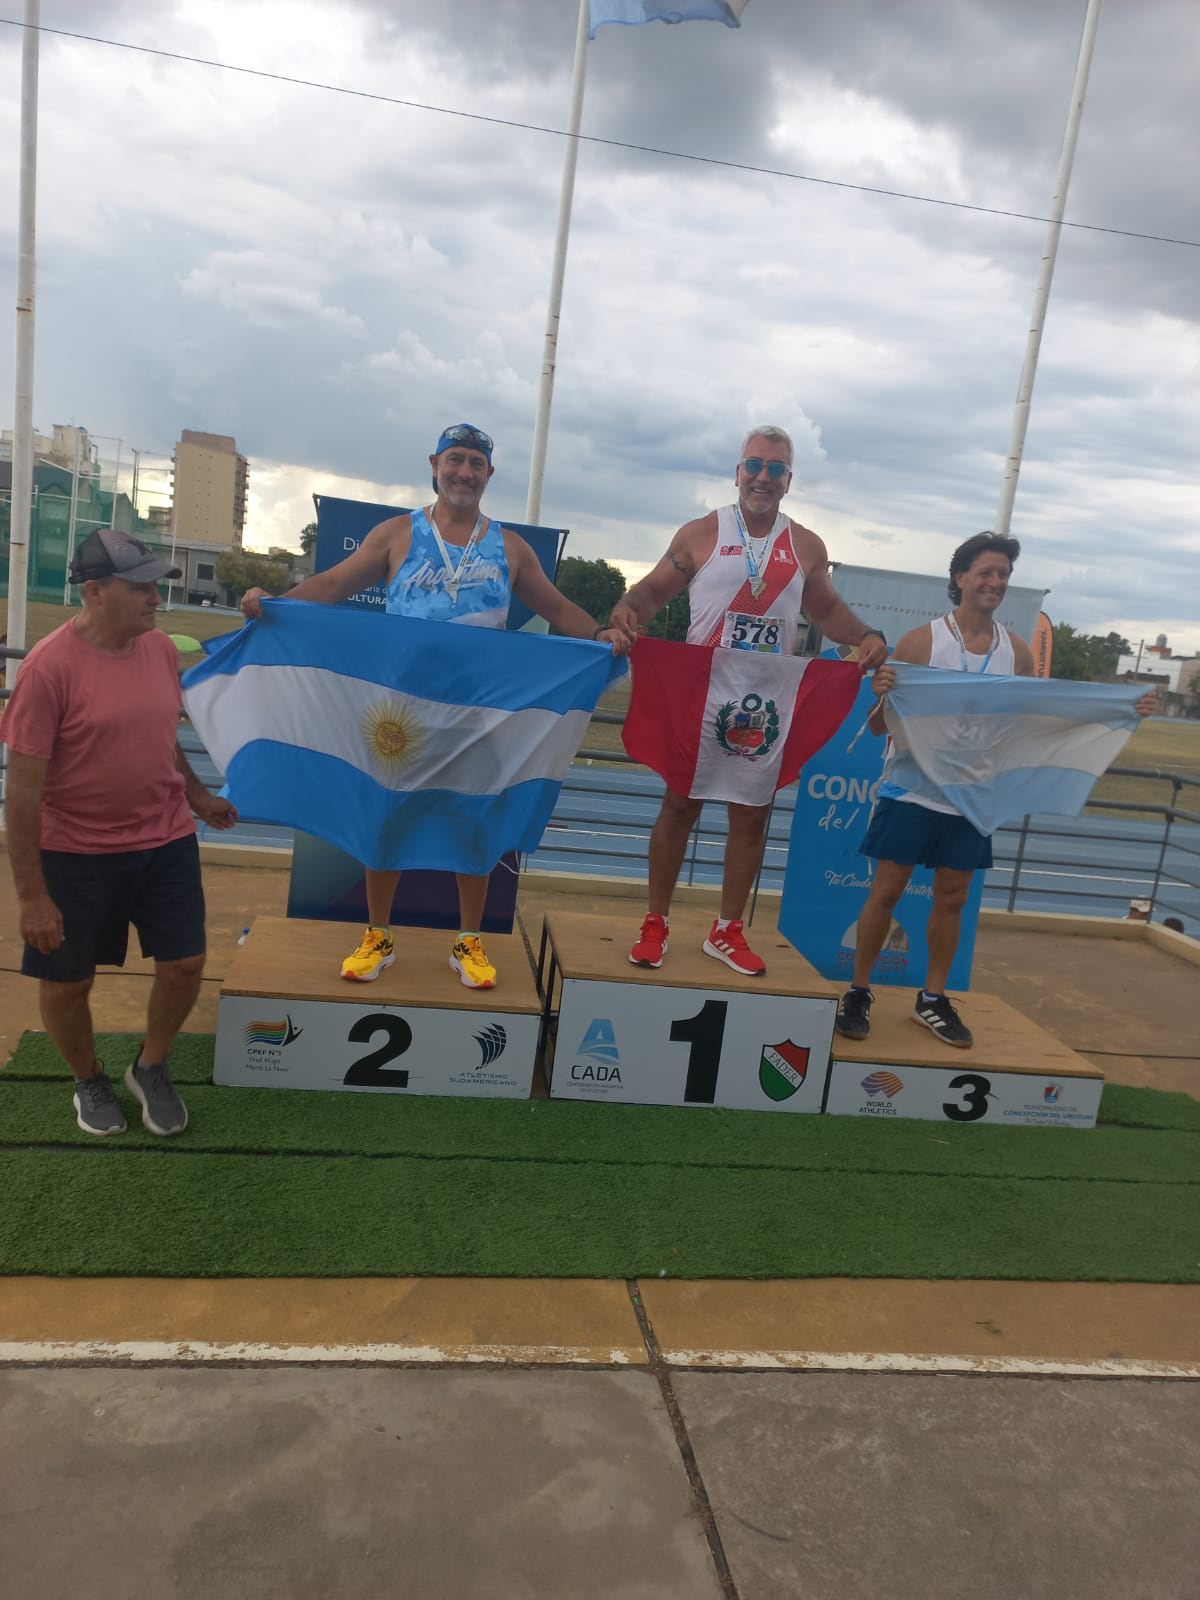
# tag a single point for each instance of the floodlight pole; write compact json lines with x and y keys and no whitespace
{"x":1041,"y":299}
{"x":22,"y":459}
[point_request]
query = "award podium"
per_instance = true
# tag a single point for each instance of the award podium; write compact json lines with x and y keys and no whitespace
{"x":288,"y":1020}
{"x":690,"y":1033}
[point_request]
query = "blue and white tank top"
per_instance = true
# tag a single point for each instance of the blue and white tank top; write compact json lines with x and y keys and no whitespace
{"x":478,"y":593}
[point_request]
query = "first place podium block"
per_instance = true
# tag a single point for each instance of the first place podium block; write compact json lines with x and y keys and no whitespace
{"x":691,"y":1032}
{"x":288,"y":1020}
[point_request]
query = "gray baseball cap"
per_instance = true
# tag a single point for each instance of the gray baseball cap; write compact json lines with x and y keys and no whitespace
{"x":105,"y":553}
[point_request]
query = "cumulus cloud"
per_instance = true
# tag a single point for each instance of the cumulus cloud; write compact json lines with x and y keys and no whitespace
{"x":332,"y":278}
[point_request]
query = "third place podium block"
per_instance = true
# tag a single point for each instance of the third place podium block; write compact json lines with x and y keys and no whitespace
{"x":689,"y":1033}
{"x":288,"y":1020}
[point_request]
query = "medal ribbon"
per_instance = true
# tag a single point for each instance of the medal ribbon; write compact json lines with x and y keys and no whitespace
{"x":952,"y":624}
{"x":454,"y":575}
{"x":757,"y":582}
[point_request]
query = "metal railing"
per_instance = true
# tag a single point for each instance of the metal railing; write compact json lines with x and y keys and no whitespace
{"x":1159,"y":863}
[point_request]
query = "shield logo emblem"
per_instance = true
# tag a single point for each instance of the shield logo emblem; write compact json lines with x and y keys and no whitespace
{"x":782,"y":1069}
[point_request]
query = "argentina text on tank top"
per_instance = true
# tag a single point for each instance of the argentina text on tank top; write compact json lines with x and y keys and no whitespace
{"x":947,"y":652}
{"x":724,"y":608}
{"x":474,"y":589}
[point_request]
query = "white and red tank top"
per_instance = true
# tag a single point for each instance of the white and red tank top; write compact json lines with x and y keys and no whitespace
{"x":725,"y":609}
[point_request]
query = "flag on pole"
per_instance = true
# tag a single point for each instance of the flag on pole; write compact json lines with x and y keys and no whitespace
{"x":721,"y":724}
{"x":404,"y":743}
{"x":634,"y":12}
{"x":998,"y":748}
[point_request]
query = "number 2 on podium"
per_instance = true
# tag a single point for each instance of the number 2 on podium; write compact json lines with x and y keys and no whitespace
{"x":705,"y":1032}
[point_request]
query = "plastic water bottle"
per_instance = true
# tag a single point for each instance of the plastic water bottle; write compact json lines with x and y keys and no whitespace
{"x":244,"y":937}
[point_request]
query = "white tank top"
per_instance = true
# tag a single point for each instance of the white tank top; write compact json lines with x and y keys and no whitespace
{"x":945,"y":651}
{"x":724,"y":609}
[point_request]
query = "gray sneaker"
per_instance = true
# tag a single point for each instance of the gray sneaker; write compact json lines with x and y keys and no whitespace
{"x":163,"y":1111}
{"x":97,"y":1109}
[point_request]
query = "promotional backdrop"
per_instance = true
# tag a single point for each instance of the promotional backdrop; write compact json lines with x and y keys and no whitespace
{"x":826,"y":881}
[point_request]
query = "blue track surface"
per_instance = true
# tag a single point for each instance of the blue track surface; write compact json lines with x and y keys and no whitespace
{"x":601,"y":825}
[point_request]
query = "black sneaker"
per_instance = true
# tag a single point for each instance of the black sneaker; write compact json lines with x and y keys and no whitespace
{"x":940,"y":1017}
{"x":854,"y":1014}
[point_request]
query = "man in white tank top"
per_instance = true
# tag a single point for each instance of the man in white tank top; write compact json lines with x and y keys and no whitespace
{"x":749,"y":572}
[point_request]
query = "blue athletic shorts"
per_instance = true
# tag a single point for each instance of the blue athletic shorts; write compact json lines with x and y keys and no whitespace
{"x":158,"y":891}
{"x":914,"y":836}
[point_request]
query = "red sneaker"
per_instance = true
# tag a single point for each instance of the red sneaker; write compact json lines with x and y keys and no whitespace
{"x":653,"y":943}
{"x":731,"y":948}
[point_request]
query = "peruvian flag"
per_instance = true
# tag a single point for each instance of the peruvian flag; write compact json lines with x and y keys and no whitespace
{"x":721,"y":724}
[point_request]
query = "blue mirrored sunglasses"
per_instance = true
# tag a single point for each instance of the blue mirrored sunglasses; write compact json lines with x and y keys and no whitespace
{"x":473,"y":438}
{"x":754,"y":465}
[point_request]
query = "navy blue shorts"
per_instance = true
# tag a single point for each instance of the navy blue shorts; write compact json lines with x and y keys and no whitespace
{"x":914,"y":836}
{"x":158,"y":891}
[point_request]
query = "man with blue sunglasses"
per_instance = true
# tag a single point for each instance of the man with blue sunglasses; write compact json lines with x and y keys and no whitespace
{"x":447,"y":562}
{"x":749,"y":572}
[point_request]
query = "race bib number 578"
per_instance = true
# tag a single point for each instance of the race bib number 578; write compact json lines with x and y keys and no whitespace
{"x":742,"y":632}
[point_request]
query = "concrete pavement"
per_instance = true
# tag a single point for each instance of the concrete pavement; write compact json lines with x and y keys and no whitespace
{"x":271,"y":1484}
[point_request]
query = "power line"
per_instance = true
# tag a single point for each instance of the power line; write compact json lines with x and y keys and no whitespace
{"x":596,"y":139}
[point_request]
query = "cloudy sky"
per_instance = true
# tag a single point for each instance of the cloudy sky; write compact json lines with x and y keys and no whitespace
{"x":331,"y":278}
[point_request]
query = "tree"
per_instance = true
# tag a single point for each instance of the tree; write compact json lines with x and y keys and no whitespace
{"x":308,"y":538}
{"x":596,"y":586}
{"x":239,"y":570}
{"x":673,"y":621}
{"x":1085,"y":655}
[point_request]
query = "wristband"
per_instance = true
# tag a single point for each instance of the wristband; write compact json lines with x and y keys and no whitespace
{"x":603,"y":628}
{"x":879,"y":634}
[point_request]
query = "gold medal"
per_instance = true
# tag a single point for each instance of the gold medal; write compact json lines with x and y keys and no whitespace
{"x":757,"y":585}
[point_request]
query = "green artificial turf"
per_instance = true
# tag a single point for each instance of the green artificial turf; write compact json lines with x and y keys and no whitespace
{"x":283,"y":1183}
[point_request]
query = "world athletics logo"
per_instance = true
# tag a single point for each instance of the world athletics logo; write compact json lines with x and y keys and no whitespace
{"x":886,"y":1083}
{"x":277,"y":1034}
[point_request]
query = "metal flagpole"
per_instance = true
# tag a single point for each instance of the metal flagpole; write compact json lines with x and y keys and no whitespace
{"x":541,"y":429}
{"x":22,"y":463}
{"x":1016,"y":446}
{"x":72,"y":518}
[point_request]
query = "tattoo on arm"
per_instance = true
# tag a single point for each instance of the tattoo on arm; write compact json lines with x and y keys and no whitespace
{"x":681,"y":563}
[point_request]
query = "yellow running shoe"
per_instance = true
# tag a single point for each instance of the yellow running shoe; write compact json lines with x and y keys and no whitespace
{"x":374,"y":953}
{"x":469,"y":960}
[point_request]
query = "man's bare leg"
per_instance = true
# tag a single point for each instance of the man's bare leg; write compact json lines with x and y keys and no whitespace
{"x":744,"y":847}
{"x":381,"y":892}
{"x":875,"y":918}
{"x":950,"y":890}
{"x":68,"y":1019}
{"x":174,"y":992}
{"x":472,"y":894}
{"x":668,"y":846}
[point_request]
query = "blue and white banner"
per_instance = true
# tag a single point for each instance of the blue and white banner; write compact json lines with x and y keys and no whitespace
{"x":998,"y":748}
{"x":827,"y":878}
{"x":634,"y":12}
{"x":404,"y":743}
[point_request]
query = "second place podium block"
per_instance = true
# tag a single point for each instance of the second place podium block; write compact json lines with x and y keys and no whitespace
{"x":288,"y":1020}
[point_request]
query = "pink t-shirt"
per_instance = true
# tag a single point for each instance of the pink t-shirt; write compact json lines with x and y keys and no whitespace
{"x":107,"y":725}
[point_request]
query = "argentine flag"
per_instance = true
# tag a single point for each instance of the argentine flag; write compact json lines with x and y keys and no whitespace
{"x":404,"y":743}
{"x":634,"y":12}
{"x":999,"y":748}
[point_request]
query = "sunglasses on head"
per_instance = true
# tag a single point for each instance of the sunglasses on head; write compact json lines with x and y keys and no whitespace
{"x":754,"y":465}
{"x":473,"y":438}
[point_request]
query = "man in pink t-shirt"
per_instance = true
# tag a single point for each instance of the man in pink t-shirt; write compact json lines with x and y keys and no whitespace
{"x":100,"y":832}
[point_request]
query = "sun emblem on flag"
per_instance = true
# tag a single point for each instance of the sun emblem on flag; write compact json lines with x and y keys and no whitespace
{"x":392,"y":734}
{"x":748,"y":729}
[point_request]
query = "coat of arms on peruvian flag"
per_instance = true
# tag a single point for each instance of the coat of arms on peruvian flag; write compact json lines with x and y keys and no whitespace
{"x":783,"y":1069}
{"x":749,"y":729}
